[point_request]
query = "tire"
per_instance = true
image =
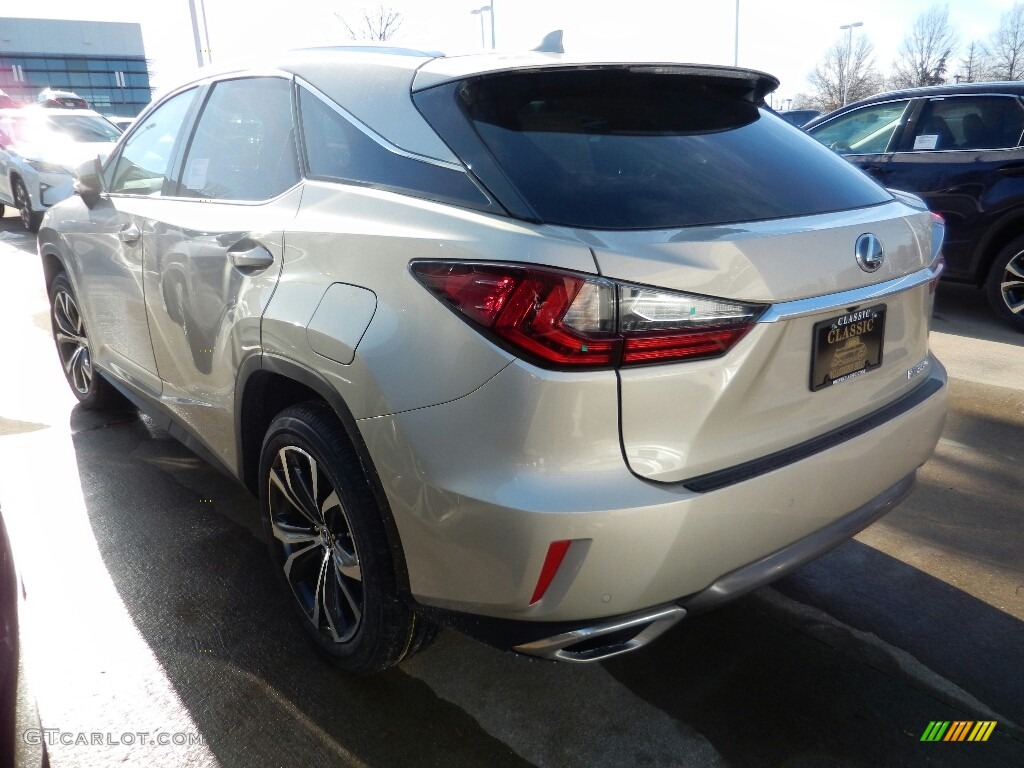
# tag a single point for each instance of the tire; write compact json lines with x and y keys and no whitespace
{"x":329,"y":546}
{"x":29,"y":218}
{"x":73,"y":348}
{"x":1005,"y":284}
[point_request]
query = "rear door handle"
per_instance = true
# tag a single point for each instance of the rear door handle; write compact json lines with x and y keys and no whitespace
{"x":253,"y":257}
{"x":129,"y":233}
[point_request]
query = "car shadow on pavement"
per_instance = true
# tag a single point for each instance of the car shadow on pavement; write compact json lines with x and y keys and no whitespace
{"x":967,"y":641}
{"x":963,"y":310}
{"x":204,"y":598}
{"x":763,"y":681}
{"x":770,"y":681}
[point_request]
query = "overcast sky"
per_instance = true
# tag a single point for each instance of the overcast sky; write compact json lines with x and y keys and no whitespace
{"x":784,"y":37}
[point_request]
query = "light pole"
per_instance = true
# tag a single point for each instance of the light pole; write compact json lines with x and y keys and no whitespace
{"x":480,"y":12}
{"x":736,"y":44}
{"x":849,"y":52}
{"x":195,"y":32}
{"x":491,"y":6}
{"x":200,"y":52}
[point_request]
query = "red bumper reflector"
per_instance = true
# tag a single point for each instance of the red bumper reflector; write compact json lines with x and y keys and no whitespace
{"x":556,"y":553}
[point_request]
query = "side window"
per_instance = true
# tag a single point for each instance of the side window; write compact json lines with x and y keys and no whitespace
{"x":144,"y":162}
{"x":337,"y":150}
{"x":967,"y":122}
{"x":244,"y":143}
{"x":865,"y":131}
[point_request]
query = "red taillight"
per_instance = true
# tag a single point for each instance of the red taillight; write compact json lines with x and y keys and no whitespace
{"x":569,"y":320}
{"x":707,"y":342}
{"x":556,"y":553}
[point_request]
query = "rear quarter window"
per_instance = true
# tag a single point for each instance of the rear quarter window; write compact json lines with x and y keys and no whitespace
{"x":614,"y":148}
{"x":337,"y":150}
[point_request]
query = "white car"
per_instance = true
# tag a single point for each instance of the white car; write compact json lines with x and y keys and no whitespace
{"x":39,"y":150}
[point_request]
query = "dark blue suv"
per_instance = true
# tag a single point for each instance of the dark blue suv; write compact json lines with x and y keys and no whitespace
{"x":959,"y":148}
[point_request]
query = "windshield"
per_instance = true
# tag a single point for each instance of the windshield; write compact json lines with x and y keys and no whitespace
{"x":621,"y":148}
{"x":863,"y":131}
{"x":87,"y":128}
{"x":39,"y":129}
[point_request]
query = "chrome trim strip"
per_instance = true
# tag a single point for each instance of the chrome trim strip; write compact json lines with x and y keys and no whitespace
{"x":373,"y":135}
{"x":788,"y":310}
{"x":558,"y":648}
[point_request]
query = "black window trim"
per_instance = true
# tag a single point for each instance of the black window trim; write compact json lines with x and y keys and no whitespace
{"x":490,"y":204}
{"x":372,"y":134}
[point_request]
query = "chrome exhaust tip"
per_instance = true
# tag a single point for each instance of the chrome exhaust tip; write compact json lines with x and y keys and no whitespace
{"x":603,"y":641}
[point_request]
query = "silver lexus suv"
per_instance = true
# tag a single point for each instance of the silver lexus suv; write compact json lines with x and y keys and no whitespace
{"x":549,"y":350}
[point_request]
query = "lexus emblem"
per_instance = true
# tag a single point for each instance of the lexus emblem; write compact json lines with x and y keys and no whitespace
{"x":869,"y":252}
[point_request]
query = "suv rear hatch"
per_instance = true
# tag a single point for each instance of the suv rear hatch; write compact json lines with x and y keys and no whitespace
{"x":678,"y":178}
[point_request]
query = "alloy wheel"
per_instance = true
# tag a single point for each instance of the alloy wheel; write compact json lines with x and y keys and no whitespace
{"x":1012,"y":284}
{"x":21,"y":199}
{"x":320,"y":561}
{"x":72,"y":342}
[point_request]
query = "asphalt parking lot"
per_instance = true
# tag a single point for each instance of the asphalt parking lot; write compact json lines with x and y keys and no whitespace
{"x":152,"y":614}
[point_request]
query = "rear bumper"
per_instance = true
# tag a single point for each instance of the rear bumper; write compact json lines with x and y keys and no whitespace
{"x":476,"y":516}
{"x":599,"y":639}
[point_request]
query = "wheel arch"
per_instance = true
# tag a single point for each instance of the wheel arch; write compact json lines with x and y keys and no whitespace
{"x":52,"y":265}
{"x":1007,"y":229}
{"x":266,"y":385}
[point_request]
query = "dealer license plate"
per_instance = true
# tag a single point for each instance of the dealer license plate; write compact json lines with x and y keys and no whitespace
{"x":847,"y":346}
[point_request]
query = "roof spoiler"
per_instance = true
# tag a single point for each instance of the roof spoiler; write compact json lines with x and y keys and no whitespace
{"x":756,"y":84}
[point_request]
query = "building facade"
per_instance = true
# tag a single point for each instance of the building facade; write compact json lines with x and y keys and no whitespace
{"x":103,"y":62}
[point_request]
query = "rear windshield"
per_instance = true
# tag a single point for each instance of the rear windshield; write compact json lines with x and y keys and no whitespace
{"x":613,"y":148}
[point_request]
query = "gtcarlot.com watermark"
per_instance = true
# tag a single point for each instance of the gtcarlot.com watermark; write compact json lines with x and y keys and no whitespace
{"x":54,"y":736}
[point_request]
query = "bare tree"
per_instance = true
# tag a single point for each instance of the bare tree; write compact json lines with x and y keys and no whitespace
{"x":380,"y":23}
{"x":925,"y":52}
{"x":1005,"y":47}
{"x":844,"y":69}
{"x":974,"y":64}
{"x":803,"y":101}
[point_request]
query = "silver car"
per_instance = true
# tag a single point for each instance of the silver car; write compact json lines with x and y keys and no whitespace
{"x":552,"y":351}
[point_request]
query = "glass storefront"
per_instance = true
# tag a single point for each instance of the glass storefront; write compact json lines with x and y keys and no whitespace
{"x":112,"y":85}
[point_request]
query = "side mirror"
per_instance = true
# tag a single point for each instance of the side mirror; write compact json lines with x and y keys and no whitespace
{"x":88,"y":182}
